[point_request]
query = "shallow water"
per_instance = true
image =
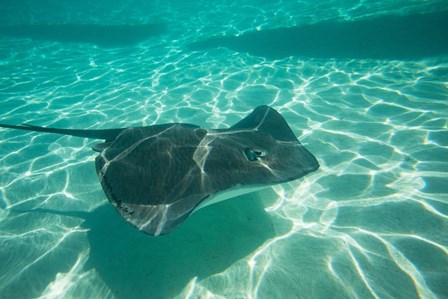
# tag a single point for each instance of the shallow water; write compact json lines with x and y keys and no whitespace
{"x":371,"y":223}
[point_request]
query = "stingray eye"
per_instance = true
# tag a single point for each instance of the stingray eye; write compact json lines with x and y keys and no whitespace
{"x":253,"y":154}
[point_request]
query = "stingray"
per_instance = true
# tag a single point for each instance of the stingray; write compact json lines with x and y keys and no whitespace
{"x":156,"y":176}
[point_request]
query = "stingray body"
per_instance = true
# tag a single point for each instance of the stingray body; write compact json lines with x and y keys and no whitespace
{"x":156,"y":176}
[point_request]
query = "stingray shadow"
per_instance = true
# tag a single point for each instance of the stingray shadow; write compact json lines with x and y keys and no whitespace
{"x":387,"y":37}
{"x":136,"y":265}
{"x":101,"y":35}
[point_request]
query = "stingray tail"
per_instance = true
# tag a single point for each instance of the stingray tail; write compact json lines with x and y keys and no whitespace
{"x":108,"y":134}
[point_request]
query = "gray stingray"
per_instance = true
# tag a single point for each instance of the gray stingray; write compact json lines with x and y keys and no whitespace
{"x":156,"y":176}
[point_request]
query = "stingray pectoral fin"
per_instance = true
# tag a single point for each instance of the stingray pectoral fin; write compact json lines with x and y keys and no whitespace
{"x":128,"y":190}
{"x":108,"y":134}
{"x":99,"y":147}
{"x":125,"y":189}
{"x":266,"y":119}
{"x":154,"y":220}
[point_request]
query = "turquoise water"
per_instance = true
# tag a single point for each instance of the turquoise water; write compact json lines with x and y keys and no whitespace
{"x":371,"y":223}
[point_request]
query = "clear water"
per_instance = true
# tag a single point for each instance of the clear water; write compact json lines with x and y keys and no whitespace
{"x":371,"y":223}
